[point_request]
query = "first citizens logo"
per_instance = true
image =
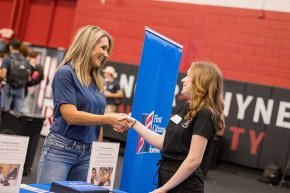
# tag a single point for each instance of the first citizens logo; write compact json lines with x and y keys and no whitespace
{"x":152,"y":122}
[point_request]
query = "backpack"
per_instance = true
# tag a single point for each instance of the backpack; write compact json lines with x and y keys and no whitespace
{"x":271,"y":174}
{"x":37,"y":76}
{"x":18,"y":72}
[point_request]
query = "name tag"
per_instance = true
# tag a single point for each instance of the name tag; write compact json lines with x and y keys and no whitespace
{"x":176,"y":119}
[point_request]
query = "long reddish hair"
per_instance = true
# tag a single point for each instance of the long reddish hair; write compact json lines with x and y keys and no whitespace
{"x":207,"y":91}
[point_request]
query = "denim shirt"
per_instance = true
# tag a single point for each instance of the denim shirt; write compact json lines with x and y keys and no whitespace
{"x":67,"y":89}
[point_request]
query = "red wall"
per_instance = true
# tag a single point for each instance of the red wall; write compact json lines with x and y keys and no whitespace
{"x":5,"y":13}
{"x":40,"y":22}
{"x":246,"y":47}
{"x":50,"y":22}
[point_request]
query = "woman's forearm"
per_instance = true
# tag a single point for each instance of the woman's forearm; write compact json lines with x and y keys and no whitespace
{"x":150,"y":136}
{"x":86,"y":119}
{"x":74,"y":117}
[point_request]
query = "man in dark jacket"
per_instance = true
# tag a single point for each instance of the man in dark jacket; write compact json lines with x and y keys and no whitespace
{"x":15,"y":71}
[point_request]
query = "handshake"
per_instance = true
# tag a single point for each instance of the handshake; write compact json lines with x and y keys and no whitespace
{"x":121,"y":122}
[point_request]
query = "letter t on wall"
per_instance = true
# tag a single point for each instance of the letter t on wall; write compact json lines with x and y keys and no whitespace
{"x":236,"y":134}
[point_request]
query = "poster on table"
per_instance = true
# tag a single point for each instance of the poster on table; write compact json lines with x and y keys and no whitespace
{"x":152,"y":105}
{"x":12,"y":157}
{"x":103,"y":164}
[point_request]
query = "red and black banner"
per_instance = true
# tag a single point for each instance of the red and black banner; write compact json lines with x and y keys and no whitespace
{"x":257,"y":129}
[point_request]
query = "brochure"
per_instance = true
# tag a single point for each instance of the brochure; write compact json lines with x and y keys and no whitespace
{"x":103,"y":164}
{"x":12,"y":157}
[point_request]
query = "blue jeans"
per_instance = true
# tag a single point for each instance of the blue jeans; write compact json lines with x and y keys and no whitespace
{"x":13,"y":96}
{"x":63,"y":159}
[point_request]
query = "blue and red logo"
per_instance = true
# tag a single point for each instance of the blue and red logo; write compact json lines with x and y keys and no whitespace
{"x":142,"y":145}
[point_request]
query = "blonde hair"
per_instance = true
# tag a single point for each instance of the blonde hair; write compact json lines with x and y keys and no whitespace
{"x":79,"y":54}
{"x":207,"y":91}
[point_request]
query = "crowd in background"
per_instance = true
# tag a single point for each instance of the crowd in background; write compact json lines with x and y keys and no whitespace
{"x":19,"y":75}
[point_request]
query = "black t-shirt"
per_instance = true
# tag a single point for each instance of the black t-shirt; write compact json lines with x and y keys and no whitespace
{"x":178,"y":135}
{"x":112,"y":87}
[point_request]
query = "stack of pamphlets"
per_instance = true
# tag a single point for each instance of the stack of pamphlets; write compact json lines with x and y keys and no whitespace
{"x":76,"y":187}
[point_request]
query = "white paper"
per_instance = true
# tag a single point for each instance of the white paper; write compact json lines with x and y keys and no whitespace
{"x":12,"y":157}
{"x":103,"y":164}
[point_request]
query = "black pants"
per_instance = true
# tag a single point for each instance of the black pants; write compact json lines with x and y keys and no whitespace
{"x":193,"y":184}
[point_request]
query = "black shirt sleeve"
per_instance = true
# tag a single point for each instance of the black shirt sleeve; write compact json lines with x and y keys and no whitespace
{"x":5,"y":63}
{"x":117,"y":86}
{"x":204,"y":125}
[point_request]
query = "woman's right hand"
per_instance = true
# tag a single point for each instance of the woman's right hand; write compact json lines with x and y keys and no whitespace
{"x":131,"y":121}
{"x":116,"y":123}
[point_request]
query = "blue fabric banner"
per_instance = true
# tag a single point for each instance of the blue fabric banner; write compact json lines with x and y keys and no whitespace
{"x":152,"y":106}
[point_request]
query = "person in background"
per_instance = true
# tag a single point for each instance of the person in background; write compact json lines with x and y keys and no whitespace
{"x":1,"y":60}
{"x":24,"y":50}
{"x":3,"y":50}
{"x":113,"y":92}
{"x":36,"y":69}
{"x":36,"y":77}
{"x":188,"y":136}
{"x":15,"y":71}
{"x":3,"y":53}
{"x":79,"y":106}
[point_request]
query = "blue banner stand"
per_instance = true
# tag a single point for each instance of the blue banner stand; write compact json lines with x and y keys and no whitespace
{"x":157,"y":76}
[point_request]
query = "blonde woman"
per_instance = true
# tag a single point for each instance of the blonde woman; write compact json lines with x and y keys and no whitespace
{"x":79,"y":106}
{"x":190,"y":132}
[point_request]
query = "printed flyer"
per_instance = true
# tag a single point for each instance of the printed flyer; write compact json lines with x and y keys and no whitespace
{"x":103,"y":164}
{"x":12,"y":157}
